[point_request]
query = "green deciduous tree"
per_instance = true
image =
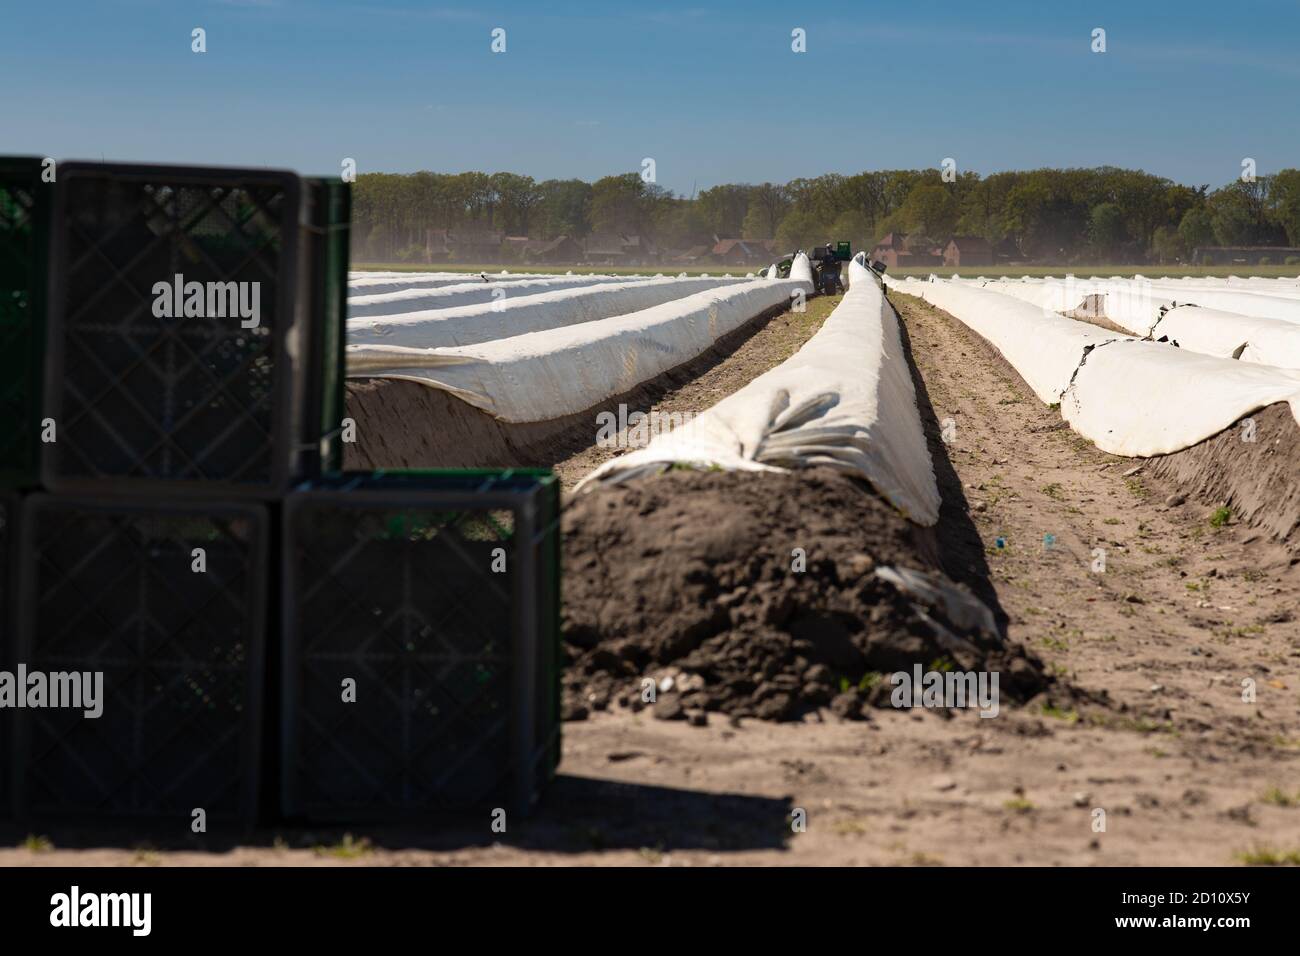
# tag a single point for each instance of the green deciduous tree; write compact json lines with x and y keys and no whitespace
{"x":854,"y":226}
{"x":564,"y":208}
{"x":1196,"y":229}
{"x":1054,"y":215}
{"x":930,"y":208}
{"x":1286,"y":203}
{"x":800,"y":230}
{"x":1166,"y":244}
{"x":1106,"y":230}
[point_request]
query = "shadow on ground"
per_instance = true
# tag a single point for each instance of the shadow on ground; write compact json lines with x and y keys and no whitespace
{"x":956,"y":542}
{"x":576,"y":815}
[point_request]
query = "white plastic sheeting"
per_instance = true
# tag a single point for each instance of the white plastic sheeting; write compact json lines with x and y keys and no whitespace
{"x":1229,"y":300}
{"x":373,"y":283}
{"x":844,"y":400}
{"x":800,"y":268}
{"x":1135,"y":304}
{"x":376,"y":285}
{"x":1128,"y":397}
{"x":472,"y":293}
{"x":503,"y":318}
{"x":1043,"y":347}
{"x":1228,"y":335}
{"x":1145,"y":398}
{"x":1131,"y":306}
{"x":455,"y":276}
{"x":1054,"y":296}
{"x":549,"y":374}
{"x":1286,"y":288}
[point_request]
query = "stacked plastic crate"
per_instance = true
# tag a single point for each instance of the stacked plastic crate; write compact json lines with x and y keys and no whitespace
{"x":273,"y":636}
{"x":421,"y":644}
{"x":176,"y":412}
{"x":24,"y":226}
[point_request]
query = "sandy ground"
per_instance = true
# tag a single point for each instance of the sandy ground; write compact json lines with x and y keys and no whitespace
{"x":1184,"y":770}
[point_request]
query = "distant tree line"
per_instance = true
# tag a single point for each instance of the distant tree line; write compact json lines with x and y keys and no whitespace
{"x":1060,"y":216}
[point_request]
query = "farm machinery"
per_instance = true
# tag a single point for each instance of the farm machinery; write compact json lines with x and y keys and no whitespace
{"x":825,"y":261}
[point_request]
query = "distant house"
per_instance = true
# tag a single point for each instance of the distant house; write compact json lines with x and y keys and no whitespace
{"x":739,"y":252}
{"x":640,"y":250}
{"x":1244,"y":255}
{"x":475,"y":245}
{"x":915,"y":260}
{"x":512,"y":248}
{"x":605,"y":249}
{"x":897,"y":253}
{"x":615,"y":248}
{"x":892,"y":240}
{"x":437,"y":245}
{"x":968,"y":251}
{"x":561,"y":249}
{"x":729,"y":252}
{"x":691,"y":256}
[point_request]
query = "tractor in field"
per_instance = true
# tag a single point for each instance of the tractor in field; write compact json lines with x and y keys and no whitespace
{"x":826,"y":266}
{"x":825,"y":261}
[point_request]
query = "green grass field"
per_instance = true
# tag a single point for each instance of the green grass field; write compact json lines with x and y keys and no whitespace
{"x":1150,"y":272}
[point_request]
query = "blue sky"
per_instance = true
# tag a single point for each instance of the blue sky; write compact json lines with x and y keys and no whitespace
{"x":712,"y":92}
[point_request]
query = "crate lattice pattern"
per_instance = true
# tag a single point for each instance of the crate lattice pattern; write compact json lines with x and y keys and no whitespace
{"x":7,"y":642}
{"x":19,"y":391}
{"x":405,"y":602}
{"x":116,"y":592}
{"x":174,"y":398}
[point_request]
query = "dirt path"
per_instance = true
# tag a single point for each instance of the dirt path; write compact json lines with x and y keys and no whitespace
{"x":1184,"y":770}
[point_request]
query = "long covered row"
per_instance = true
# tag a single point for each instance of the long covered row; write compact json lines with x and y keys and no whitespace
{"x":379,"y":284}
{"x":1167,"y":313}
{"x":1136,"y":304}
{"x":1229,"y":335}
{"x":415,"y":301}
{"x":510,"y":316}
{"x":1045,"y":348}
{"x":1128,"y":397}
{"x":548,"y":374}
{"x":845,"y":400}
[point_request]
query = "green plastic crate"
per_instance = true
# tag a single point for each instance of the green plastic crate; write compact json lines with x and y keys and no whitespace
{"x":109,"y":585}
{"x":329,"y":218}
{"x":171,"y":404}
{"x":9,"y":505}
{"x":25,"y":202}
{"x":387,"y":580}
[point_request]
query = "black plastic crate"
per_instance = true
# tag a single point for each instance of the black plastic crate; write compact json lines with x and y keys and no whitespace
{"x":111,"y":586}
{"x":8,"y":640}
{"x":25,"y":202}
{"x":200,"y":405}
{"x":388,"y":580}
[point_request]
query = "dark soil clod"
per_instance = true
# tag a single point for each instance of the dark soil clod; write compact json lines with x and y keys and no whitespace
{"x":690,"y":576}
